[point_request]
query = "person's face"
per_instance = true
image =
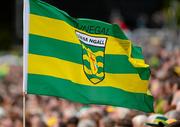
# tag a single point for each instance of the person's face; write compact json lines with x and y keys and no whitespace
{"x":7,"y":122}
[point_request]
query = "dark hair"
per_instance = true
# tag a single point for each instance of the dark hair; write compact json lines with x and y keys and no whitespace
{"x":124,"y":122}
{"x":73,"y":120}
{"x":174,"y":124}
{"x":1,"y":99}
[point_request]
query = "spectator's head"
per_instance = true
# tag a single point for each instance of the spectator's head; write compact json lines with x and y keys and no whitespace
{"x":119,"y":113}
{"x":36,"y":121}
{"x":173,"y":114}
{"x":72,"y":122}
{"x":67,"y":114}
{"x":6,"y":122}
{"x":87,"y":123}
{"x":139,"y":121}
{"x":126,"y":122}
{"x":18,"y":122}
{"x":174,"y":124}
{"x":107,"y":122}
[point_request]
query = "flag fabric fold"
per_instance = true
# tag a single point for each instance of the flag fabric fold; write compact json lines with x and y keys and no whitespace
{"x":83,"y":60}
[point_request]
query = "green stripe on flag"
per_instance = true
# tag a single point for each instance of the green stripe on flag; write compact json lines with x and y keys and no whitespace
{"x":136,"y":52}
{"x":55,"y":48}
{"x":46,"y":85}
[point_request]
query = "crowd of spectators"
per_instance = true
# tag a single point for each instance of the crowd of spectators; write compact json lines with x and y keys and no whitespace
{"x":43,"y":111}
{"x":10,"y":90}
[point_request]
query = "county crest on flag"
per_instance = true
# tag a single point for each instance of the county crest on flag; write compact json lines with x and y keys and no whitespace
{"x":82,"y":60}
{"x":93,"y":56}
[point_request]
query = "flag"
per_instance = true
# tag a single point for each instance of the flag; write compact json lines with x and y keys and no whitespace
{"x":82,"y":60}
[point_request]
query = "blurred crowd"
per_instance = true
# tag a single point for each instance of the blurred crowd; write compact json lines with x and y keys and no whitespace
{"x":10,"y":90}
{"x":43,"y":111}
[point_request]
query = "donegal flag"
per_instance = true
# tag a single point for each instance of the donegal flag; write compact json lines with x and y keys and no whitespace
{"x":82,"y":60}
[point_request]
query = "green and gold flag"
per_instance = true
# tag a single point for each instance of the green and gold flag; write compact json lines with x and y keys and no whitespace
{"x":82,"y":60}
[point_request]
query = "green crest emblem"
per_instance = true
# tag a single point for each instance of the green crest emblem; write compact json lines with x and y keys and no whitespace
{"x":93,"y":49}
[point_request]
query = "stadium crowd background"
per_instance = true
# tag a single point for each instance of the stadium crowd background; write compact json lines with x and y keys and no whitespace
{"x":161,"y":48}
{"x":42,"y":111}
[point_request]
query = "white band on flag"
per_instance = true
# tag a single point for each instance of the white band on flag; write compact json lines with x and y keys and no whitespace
{"x":91,"y":40}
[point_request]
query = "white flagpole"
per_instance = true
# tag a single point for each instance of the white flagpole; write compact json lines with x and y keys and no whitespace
{"x":24,"y":109}
{"x":26,"y":10}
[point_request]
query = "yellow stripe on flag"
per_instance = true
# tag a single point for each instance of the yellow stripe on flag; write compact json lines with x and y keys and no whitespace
{"x":138,"y":62}
{"x":60,"y":30}
{"x":58,"y":68}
